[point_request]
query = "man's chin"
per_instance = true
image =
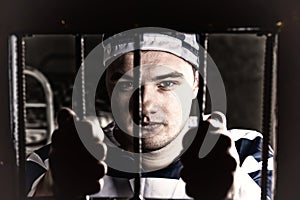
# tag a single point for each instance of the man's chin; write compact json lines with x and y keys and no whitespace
{"x":149,"y":146}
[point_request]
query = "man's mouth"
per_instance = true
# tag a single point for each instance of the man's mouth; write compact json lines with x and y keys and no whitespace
{"x":152,"y":125}
{"x":152,"y":128}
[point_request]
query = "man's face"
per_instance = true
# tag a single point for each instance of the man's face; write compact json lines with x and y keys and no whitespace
{"x":168,"y":87}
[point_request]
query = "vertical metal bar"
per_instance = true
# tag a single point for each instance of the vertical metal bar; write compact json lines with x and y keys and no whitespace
{"x":79,"y":53}
{"x":202,"y":94}
{"x":21,"y":59}
{"x":14,"y":103}
{"x":80,"y":107}
{"x":83,"y":88}
{"x":13,"y":70}
{"x":137,"y":117}
{"x":274,"y":113}
{"x":204,"y":75}
{"x":267,"y":111}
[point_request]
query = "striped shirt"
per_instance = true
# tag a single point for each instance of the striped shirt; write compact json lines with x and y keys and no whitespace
{"x":165,"y":183}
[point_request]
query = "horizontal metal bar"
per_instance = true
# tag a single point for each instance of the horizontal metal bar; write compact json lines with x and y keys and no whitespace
{"x":35,"y":105}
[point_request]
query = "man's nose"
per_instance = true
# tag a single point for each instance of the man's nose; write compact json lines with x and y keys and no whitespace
{"x":149,"y":100}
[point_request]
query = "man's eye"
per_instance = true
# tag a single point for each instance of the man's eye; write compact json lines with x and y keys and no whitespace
{"x":125,"y":85}
{"x":166,"y":84}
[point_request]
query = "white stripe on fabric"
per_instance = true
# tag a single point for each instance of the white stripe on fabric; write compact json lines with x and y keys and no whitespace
{"x":34,"y":185}
{"x":160,"y":188}
{"x":36,"y":159}
{"x":237,"y":134}
{"x":251,"y":165}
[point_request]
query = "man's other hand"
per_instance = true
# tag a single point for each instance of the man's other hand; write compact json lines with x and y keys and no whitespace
{"x":74,"y":170}
{"x":214,"y":176}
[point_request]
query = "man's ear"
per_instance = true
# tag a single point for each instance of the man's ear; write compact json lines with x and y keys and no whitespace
{"x":196,"y":84}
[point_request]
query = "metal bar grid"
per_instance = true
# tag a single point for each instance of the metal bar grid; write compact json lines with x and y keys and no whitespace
{"x":267,"y":100}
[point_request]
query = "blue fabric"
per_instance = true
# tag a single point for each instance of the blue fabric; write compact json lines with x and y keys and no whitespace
{"x":33,"y":171}
{"x":171,"y":172}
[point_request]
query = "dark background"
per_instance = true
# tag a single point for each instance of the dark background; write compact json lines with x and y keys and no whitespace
{"x":33,"y":16}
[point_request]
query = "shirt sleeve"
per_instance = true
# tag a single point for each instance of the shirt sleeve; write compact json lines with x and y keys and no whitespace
{"x":249,"y":147}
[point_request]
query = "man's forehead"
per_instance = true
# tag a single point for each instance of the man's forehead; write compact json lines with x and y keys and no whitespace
{"x":157,"y":59}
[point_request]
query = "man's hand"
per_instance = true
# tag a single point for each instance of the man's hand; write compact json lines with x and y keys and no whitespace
{"x":74,"y":170}
{"x":215,"y":176}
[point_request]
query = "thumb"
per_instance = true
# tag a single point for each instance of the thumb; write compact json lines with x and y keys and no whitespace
{"x":199,"y":142}
{"x":217,"y":126}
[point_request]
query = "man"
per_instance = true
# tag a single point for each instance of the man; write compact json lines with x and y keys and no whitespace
{"x":168,"y":78}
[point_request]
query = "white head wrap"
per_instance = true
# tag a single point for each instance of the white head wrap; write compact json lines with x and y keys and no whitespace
{"x":180,"y":44}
